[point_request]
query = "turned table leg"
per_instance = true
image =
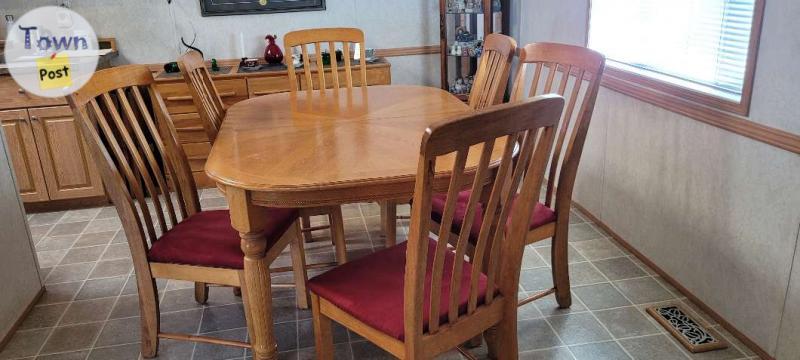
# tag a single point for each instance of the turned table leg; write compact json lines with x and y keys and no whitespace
{"x":256,"y":283}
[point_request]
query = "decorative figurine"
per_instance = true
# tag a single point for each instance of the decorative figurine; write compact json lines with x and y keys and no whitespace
{"x":214,"y":65}
{"x":463,"y":35}
{"x":248,"y":63}
{"x":272,"y":53}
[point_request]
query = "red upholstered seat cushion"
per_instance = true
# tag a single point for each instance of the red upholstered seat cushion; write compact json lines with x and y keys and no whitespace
{"x":208,"y":239}
{"x":542,"y":215}
{"x":371,"y":288}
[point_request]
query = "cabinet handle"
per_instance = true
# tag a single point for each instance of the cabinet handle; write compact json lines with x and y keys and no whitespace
{"x":178,"y":98}
{"x":21,"y":91}
{"x":227,"y":94}
{"x":34,"y":118}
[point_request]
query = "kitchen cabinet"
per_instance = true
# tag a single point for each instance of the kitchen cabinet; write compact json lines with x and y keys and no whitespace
{"x":48,"y":155}
{"x":69,"y":171}
{"x":23,"y":155}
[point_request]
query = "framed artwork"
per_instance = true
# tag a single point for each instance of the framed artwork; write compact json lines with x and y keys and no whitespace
{"x":242,"y":7}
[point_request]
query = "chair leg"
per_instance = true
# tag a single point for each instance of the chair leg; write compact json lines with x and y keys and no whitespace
{"x":475,"y":342}
{"x":389,"y":222}
{"x":299,"y":268}
{"x":201,"y":292}
{"x":307,"y":236}
{"x":148,"y":308}
{"x":490,"y":335}
{"x":323,"y":336}
{"x":560,"y":260}
{"x":337,"y":233}
{"x":505,"y":339}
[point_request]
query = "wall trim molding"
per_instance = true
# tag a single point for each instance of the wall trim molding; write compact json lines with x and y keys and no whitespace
{"x":677,"y":285}
{"x":714,"y":117}
{"x":13,"y":330}
{"x":408,"y":51}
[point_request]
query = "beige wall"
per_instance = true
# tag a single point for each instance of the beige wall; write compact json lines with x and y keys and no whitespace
{"x":149,"y":31}
{"x":19,"y":272}
{"x":717,"y":211}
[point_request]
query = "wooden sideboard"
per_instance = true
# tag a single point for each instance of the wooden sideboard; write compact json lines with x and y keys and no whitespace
{"x":233,"y":87}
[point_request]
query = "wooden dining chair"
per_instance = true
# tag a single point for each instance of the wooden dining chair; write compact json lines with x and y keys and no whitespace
{"x":578,"y":72}
{"x":573,"y":72}
{"x":488,"y":89}
{"x":421,"y":298}
{"x":212,"y":111}
{"x":491,"y":78}
{"x":327,"y":39}
{"x":147,"y":177}
{"x":204,"y":93}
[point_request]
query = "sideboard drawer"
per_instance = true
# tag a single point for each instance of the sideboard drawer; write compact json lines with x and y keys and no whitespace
{"x":14,"y":97}
{"x":258,"y":86}
{"x":179,"y":100}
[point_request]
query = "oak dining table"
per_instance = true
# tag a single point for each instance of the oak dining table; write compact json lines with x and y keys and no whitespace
{"x":319,"y":148}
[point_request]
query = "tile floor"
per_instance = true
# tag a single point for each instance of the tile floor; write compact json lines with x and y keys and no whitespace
{"x":90,"y":308}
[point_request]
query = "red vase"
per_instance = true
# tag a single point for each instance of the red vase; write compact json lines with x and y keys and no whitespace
{"x":273,"y":53}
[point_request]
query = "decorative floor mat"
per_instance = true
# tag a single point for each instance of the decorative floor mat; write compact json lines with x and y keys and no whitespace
{"x":688,"y":331}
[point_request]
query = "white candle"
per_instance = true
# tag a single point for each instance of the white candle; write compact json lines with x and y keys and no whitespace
{"x":241,"y":45}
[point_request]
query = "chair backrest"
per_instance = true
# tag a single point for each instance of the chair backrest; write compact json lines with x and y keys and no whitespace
{"x":142,"y":165}
{"x":577,"y":71}
{"x":528,"y":131}
{"x":204,"y":93}
{"x":491,"y":78}
{"x":326,"y":39}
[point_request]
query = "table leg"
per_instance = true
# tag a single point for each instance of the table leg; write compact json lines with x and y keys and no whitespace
{"x":389,"y":221}
{"x":256,"y":288}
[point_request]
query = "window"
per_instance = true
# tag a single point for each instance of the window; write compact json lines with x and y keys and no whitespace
{"x":703,"y":50}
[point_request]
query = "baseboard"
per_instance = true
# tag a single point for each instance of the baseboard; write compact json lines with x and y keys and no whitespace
{"x":7,"y":336}
{"x":677,"y":285}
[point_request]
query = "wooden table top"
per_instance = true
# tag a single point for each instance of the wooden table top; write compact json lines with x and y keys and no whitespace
{"x":337,"y":146}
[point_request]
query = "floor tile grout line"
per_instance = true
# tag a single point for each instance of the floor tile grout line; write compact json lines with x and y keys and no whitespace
{"x":74,"y":296}
{"x":108,"y":317}
{"x":560,"y":340}
{"x":613,"y":285}
{"x":199,"y":327}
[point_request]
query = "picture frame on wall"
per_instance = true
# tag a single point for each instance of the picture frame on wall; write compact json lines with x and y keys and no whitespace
{"x":244,"y":7}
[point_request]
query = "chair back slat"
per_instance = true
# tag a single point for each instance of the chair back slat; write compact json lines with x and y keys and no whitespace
{"x":491,"y":78}
{"x":457,"y":174}
{"x":142,"y":165}
{"x":204,"y":93}
{"x":490,"y":213}
{"x":469,"y":137}
{"x":464,"y":233}
{"x":579,"y":70}
{"x":161,"y":188}
{"x":168,"y":169}
{"x":321,"y":65}
{"x":348,"y":70}
{"x":331,"y":38}
{"x":140,"y":170}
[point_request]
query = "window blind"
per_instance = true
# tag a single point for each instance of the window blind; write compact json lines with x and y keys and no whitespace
{"x":705,"y":42}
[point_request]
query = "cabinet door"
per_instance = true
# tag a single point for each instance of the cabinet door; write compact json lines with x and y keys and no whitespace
{"x":24,"y":156}
{"x":68,"y":168}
